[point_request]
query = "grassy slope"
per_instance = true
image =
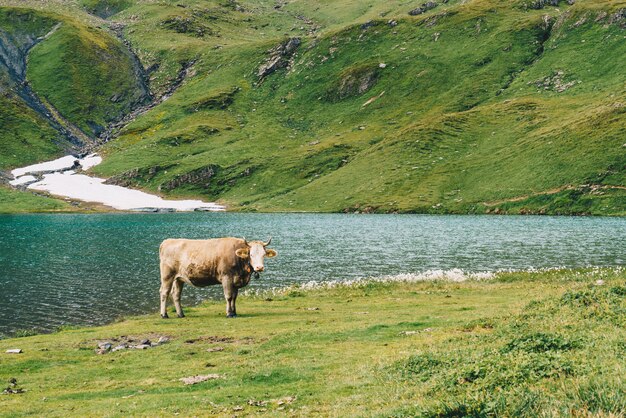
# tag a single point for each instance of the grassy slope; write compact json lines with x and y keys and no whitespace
{"x":86,"y":74}
{"x":461,"y":126}
{"x":77,"y":70}
{"x":25,"y":136}
{"x":12,"y":201}
{"x":525,"y":344}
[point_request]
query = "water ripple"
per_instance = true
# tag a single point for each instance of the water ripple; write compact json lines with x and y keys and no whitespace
{"x":91,"y":269}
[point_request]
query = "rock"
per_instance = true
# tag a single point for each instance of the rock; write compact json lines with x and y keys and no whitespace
{"x":415,"y":332}
{"x":423,"y":8}
{"x":382,"y":65}
{"x":618,"y":17}
{"x":119,"y":347}
{"x":599,"y":282}
{"x":279,"y":57}
{"x":14,"y":351}
{"x":253,"y":402}
{"x":215,"y":349}
{"x":105,"y":346}
{"x":393,"y":23}
{"x":313,"y":309}
{"x":141,"y":346}
{"x":145,"y":341}
{"x":201,"y":177}
{"x":197,"y":379}
{"x":540,"y":4}
{"x":163,"y":340}
{"x":368,"y":24}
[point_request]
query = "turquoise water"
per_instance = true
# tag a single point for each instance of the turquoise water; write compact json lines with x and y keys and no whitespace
{"x":91,"y":269}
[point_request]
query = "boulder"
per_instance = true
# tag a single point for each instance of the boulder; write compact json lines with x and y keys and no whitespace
{"x":279,"y":57}
{"x":423,"y":8}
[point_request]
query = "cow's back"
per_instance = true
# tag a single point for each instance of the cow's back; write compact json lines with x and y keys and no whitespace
{"x":200,"y":262}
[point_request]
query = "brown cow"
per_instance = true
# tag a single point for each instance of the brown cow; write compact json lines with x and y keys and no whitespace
{"x":226,"y":261}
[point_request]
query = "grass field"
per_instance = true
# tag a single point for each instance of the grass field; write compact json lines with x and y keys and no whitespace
{"x":547,"y":343}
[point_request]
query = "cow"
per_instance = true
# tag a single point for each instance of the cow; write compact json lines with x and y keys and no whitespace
{"x":226,"y":261}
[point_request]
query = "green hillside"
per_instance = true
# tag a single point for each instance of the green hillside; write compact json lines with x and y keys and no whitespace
{"x":372,"y":106}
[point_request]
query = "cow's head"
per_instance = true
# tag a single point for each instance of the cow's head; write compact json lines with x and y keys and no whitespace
{"x":255,"y":251}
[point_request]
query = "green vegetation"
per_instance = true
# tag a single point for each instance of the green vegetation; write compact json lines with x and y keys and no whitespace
{"x":26,"y":137}
{"x":522,"y":344}
{"x":86,"y":74}
{"x":16,"y":201}
{"x":471,"y":107}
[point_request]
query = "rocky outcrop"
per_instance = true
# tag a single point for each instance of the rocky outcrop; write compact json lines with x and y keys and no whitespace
{"x":618,"y":18}
{"x":200,"y":177}
{"x":554,"y":82}
{"x":279,"y":57}
{"x":540,"y":4}
{"x":131,"y":177}
{"x":423,"y":8}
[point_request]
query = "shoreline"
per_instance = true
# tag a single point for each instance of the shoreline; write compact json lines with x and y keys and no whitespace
{"x":450,"y":276}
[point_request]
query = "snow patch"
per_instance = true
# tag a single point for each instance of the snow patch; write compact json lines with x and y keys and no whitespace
{"x":89,"y":161}
{"x":63,"y":163}
{"x":57,"y":177}
{"x":21,"y":181}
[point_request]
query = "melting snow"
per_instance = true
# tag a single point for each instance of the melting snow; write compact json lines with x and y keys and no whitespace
{"x":61,"y":180}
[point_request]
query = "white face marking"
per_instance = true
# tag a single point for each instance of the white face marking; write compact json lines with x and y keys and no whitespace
{"x":257,"y":252}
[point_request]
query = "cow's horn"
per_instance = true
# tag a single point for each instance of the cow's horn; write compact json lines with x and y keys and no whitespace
{"x":265,"y":244}
{"x":244,"y":240}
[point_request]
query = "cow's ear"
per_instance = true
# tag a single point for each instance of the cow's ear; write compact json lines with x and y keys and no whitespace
{"x":269,"y":253}
{"x":243,"y":252}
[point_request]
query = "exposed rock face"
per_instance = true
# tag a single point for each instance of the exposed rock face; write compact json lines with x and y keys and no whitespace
{"x":279,"y":57}
{"x":619,"y":18}
{"x":554,"y":82}
{"x":540,"y":4}
{"x":200,"y":177}
{"x":423,"y":8}
{"x":130,"y":177}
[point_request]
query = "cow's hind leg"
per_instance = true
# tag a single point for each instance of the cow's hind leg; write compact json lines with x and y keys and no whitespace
{"x":230,"y":293}
{"x":167,"y":280}
{"x":235,"y":293}
{"x":177,"y":291}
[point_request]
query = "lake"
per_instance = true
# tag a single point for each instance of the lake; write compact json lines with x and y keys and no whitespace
{"x":64,"y":269}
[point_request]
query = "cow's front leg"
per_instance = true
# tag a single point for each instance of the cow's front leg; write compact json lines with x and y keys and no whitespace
{"x":166,"y":287}
{"x":177,"y":291}
{"x":230,"y":293}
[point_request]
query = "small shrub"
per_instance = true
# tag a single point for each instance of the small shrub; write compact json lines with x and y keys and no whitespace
{"x":420,"y":366}
{"x":599,"y":398}
{"x":477,"y":408}
{"x":540,"y":343}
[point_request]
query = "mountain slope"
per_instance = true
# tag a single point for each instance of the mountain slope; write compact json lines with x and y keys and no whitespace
{"x":477,"y":106}
{"x":62,"y":83}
